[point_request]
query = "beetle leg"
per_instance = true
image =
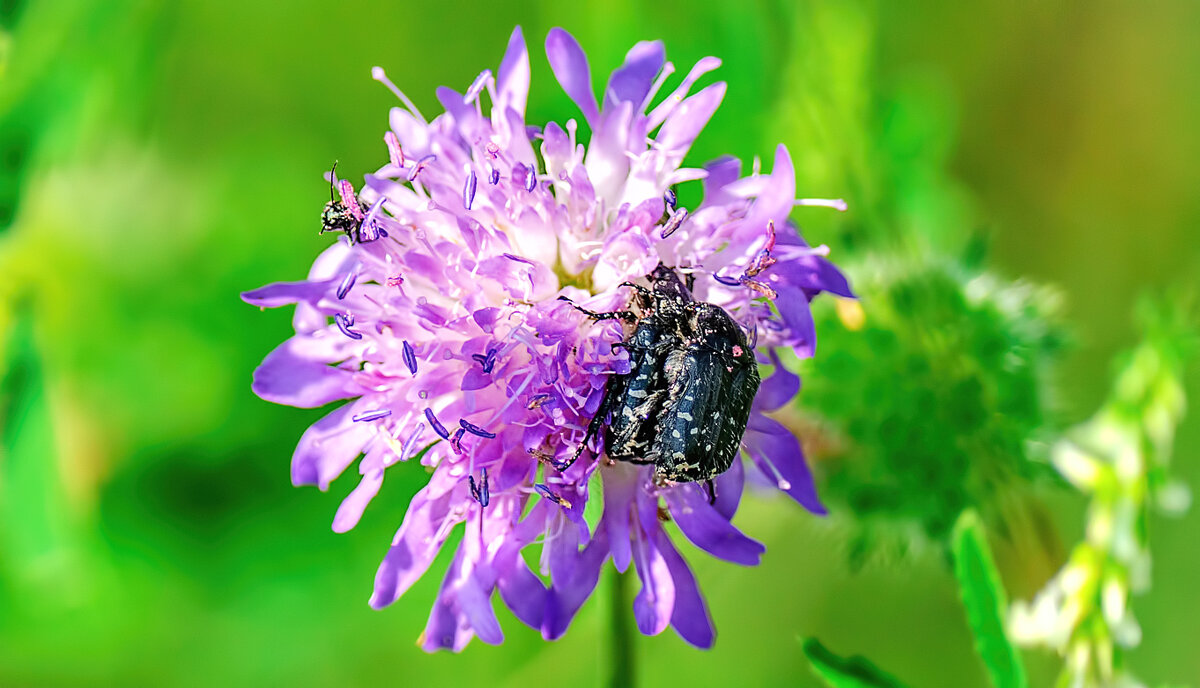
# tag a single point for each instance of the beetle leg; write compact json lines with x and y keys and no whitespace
{"x":628,"y":316}
{"x":712,"y":491}
{"x":642,"y":291}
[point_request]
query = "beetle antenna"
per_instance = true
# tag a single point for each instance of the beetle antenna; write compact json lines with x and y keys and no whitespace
{"x":332,"y":176}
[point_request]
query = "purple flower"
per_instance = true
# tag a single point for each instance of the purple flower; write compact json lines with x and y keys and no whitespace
{"x":443,"y":328}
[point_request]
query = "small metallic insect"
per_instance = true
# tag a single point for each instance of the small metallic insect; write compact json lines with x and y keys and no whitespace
{"x":684,"y":404}
{"x":337,"y":217}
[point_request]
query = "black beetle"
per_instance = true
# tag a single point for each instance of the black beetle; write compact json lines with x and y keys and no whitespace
{"x":685,"y":402}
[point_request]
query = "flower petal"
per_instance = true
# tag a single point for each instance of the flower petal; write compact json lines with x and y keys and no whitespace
{"x":690,"y":617}
{"x":297,"y":373}
{"x":571,"y":69}
{"x":778,"y":454}
{"x":632,"y":80}
{"x":654,"y":603}
{"x":426,"y":526}
{"x":328,"y":447}
{"x":802,"y":331}
{"x":568,"y":593}
{"x":351,"y":510}
{"x":512,"y":80}
{"x":707,"y":529}
{"x":780,"y":388}
{"x":287,"y":293}
{"x":686,"y":122}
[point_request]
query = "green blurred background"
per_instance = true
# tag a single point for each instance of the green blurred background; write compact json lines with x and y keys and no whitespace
{"x":156,"y":158}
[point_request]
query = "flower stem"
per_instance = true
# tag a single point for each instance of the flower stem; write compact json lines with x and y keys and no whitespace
{"x":621,"y":657}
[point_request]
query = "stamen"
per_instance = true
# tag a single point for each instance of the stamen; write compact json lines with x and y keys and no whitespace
{"x":395,"y":280}
{"x":530,"y":179}
{"x":469,"y":190}
{"x":370,"y":229}
{"x":411,"y":442}
{"x":835,"y":203}
{"x":779,"y":479}
{"x":421,"y":165}
{"x":395,"y":152}
{"x":371,"y":415}
{"x":492,"y":150}
{"x":494,"y":176}
{"x":346,"y":189}
{"x":727,"y":281}
{"x":475,"y":429}
{"x":536,"y":401}
{"x":456,"y":442}
{"x":477,"y":86}
{"x":344,"y":323}
{"x":436,"y":424}
{"x":670,"y":198}
{"x":410,"y":358}
{"x":480,"y":493}
{"x":519,"y":259}
{"x":674,"y":222}
{"x":348,"y":281}
{"x":552,"y":496}
{"x":379,"y":75}
{"x":762,"y":288}
{"x":490,"y":361}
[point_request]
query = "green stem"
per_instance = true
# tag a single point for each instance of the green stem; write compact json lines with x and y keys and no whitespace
{"x":621,"y":660}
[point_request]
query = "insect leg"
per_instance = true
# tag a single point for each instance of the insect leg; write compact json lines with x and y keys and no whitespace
{"x":627,"y":316}
{"x":593,"y":429}
{"x":712,"y":491}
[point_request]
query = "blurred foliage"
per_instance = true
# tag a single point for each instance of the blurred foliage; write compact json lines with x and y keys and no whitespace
{"x":157,"y":158}
{"x":984,"y":600}
{"x":1119,"y":458}
{"x":956,"y":367}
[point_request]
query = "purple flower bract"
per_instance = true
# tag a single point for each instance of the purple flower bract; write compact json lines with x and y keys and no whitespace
{"x":440,"y":324}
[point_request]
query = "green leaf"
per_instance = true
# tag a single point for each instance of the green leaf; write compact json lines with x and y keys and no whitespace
{"x":846,"y":672}
{"x":984,"y":599}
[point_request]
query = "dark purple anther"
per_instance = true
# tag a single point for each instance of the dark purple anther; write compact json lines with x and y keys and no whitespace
{"x":530,"y":179}
{"x":344,"y":323}
{"x":347,"y":283}
{"x":456,"y":442}
{"x":519,"y":259}
{"x":469,"y":190}
{"x":494,"y":176}
{"x":537,"y":400}
{"x":728,"y":281}
{"x":371,"y":415}
{"x":421,"y":164}
{"x":476,"y":430}
{"x":481,"y":493}
{"x":489,"y":361}
{"x":670,"y":198}
{"x":410,"y":358}
{"x":436,"y":424}
{"x":552,"y":495}
{"x":674,"y":222}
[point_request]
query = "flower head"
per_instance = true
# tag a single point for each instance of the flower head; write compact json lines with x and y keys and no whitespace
{"x":439,"y":318}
